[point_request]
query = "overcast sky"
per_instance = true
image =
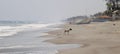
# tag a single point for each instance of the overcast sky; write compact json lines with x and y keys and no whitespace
{"x":48,"y":9}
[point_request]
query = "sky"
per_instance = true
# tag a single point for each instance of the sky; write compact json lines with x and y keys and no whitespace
{"x":37,"y":10}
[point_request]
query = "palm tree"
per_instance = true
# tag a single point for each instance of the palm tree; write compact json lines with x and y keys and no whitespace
{"x":117,"y":4}
{"x":112,"y":6}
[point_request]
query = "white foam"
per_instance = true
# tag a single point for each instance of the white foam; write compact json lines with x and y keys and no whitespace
{"x":6,"y":30}
{"x":41,"y":49}
{"x":11,"y":30}
{"x":17,"y":46}
{"x":44,"y":52}
{"x":44,"y":34}
{"x":34,"y":52}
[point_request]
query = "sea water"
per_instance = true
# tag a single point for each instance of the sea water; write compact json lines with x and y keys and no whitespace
{"x":21,"y":37}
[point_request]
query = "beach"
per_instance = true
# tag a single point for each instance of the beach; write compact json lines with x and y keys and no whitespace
{"x":95,"y":38}
{"x":28,"y":38}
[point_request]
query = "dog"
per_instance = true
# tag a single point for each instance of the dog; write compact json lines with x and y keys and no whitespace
{"x":114,"y":24}
{"x":67,"y":31}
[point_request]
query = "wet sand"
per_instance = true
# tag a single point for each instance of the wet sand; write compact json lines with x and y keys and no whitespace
{"x":97,"y":38}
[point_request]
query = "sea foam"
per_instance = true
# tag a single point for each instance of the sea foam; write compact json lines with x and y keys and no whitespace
{"x":11,"y":30}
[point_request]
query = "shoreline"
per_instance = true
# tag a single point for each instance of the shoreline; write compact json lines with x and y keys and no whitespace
{"x":97,"y":38}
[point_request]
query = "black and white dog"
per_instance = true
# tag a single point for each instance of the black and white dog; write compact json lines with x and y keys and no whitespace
{"x":67,"y":31}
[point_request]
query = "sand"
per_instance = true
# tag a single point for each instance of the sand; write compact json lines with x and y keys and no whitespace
{"x":97,"y":38}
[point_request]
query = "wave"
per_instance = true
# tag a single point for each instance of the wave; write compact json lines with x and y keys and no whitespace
{"x":12,"y":30}
{"x":41,"y":49}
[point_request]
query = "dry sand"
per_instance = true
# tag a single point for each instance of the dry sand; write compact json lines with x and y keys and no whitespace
{"x":97,"y":38}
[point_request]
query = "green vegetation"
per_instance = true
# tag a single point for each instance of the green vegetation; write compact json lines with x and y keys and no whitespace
{"x":112,"y":5}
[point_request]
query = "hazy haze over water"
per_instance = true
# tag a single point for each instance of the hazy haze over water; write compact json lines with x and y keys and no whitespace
{"x":41,"y":10}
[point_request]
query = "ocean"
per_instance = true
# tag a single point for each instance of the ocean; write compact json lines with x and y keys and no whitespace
{"x":25,"y":37}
